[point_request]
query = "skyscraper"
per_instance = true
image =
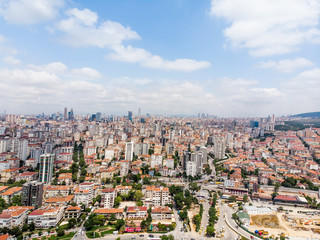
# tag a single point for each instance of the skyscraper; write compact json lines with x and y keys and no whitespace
{"x":130,"y":115}
{"x":46,"y":167}
{"x":98,"y":116}
{"x":65,"y":113}
{"x":32,"y":193}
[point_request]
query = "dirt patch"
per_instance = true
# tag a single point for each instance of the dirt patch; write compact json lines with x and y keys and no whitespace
{"x":267,"y":221}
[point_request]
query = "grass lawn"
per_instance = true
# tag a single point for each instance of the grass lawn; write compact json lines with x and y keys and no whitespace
{"x":110,"y":231}
{"x":68,"y":236}
{"x":92,"y":235}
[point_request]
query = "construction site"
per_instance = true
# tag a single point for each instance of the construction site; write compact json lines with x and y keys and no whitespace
{"x":287,"y":222}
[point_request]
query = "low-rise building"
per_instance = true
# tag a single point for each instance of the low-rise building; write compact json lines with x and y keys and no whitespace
{"x":137,"y":212}
{"x":10,"y":193}
{"x":107,"y":212}
{"x":161,"y":213}
{"x":46,"y":217}
{"x":72,"y":212}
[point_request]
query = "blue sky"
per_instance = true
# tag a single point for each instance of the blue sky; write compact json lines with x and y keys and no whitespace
{"x":231,"y":58}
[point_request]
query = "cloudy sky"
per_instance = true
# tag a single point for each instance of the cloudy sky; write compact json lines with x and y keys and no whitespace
{"x":222,"y":57}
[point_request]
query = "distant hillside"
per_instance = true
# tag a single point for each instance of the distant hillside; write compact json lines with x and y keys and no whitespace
{"x":305,"y":115}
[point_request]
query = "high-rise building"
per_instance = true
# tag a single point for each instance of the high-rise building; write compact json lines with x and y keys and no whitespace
{"x":70,"y":114}
{"x":98,"y":116}
{"x":129,"y":151}
{"x":139,"y":112}
{"x":32,"y":193}
{"x":219,"y":149}
{"x":130,"y":115}
{"x":65,"y":113}
{"x":46,"y":167}
{"x":254,"y":124}
{"x":23,"y":149}
{"x":107,"y":197}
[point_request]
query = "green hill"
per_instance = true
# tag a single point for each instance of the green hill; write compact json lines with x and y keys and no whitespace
{"x":308,"y":115}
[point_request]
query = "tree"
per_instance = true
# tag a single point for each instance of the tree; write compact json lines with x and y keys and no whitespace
{"x":146,"y":181}
{"x":197,"y":221}
{"x":25,"y":227}
{"x":210,"y":231}
{"x":232,"y":198}
{"x":138,"y":195}
{"x":98,"y":198}
{"x":117,"y":201}
{"x":245,"y":198}
{"x":60,"y":232}
{"x":112,"y":217}
{"x":119,"y":224}
{"x":31,"y":227}
{"x":72,"y":222}
{"x":15,"y":231}
{"x":194,"y":186}
{"x":3,"y":204}
{"x":276,"y":187}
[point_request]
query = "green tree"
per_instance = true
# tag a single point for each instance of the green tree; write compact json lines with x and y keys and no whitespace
{"x":210,"y":231}
{"x":119,"y":224}
{"x":15,"y":231}
{"x":112,"y":217}
{"x":245,"y":198}
{"x":16,"y":200}
{"x":72,"y":222}
{"x":3,"y":204}
{"x":117,"y":201}
{"x":146,"y":181}
{"x":31,"y":227}
{"x":60,"y":232}
{"x":138,"y":195}
{"x":232,"y":198}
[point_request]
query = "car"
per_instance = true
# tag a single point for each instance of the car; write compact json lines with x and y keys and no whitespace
{"x":141,"y":235}
{"x":133,"y":237}
{"x":151,"y":236}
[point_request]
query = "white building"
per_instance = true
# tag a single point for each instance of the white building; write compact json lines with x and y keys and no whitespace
{"x":107,"y":197}
{"x":129,"y":151}
{"x":156,"y":159}
{"x":46,"y":217}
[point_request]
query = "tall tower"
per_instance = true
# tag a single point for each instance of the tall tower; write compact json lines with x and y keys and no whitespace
{"x":130,"y":115}
{"x":65,"y":113}
{"x":46,"y":167}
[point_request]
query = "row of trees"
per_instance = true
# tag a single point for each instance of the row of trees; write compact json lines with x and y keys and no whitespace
{"x":213,"y":218}
{"x":197,"y":218}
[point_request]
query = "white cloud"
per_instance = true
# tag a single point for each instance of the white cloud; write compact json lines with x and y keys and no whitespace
{"x":12,"y":60}
{"x":146,"y":59}
{"x":61,"y":69}
{"x":29,"y":12}
{"x":269,"y":27}
{"x":82,"y":29}
{"x":86,"y":72}
{"x":54,"y":67}
{"x":287,"y":65}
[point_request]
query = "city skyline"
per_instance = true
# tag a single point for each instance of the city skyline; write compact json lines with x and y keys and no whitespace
{"x":226,"y":58}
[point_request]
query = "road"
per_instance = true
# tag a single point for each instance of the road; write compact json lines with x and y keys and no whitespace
{"x":226,"y":214}
{"x":221,"y":224}
{"x":79,"y":236}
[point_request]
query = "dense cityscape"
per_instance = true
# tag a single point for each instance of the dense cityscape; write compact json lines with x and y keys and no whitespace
{"x":159,"y":120}
{"x":95,"y":176}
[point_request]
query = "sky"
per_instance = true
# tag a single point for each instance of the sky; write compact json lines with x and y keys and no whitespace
{"x":229,"y":58}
